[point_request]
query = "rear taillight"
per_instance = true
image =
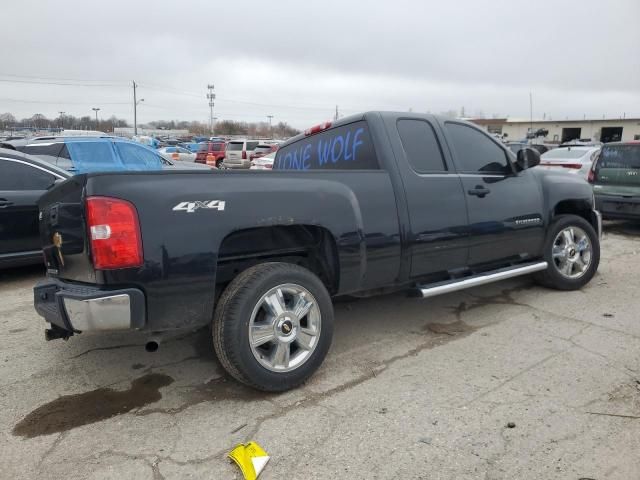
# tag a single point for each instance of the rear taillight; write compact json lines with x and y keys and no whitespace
{"x":114,"y":232}
{"x":244,"y":154}
{"x":563,"y":165}
{"x":591,"y":178}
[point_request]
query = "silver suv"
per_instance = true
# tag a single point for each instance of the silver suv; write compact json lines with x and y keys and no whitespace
{"x":238,"y":153}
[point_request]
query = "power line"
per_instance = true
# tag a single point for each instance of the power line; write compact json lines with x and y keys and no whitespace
{"x":19,"y":100}
{"x":38,"y":77}
{"x":34,"y":82}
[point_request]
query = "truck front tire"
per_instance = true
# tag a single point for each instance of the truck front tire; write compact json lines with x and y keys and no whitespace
{"x":572,"y":251}
{"x":273,"y":326}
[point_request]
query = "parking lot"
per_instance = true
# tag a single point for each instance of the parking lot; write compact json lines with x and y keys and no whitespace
{"x":505,"y":381}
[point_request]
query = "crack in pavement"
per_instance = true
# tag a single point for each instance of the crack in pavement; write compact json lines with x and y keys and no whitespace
{"x":114,"y":347}
{"x":315,"y":398}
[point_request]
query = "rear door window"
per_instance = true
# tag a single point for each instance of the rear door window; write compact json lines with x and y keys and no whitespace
{"x":17,"y":176}
{"x":421,"y":146}
{"x":347,"y":147}
{"x":46,"y":151}
{"x":93,"y":157}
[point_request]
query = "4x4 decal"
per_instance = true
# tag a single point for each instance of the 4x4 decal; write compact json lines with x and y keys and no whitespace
{"x":193,"y":205}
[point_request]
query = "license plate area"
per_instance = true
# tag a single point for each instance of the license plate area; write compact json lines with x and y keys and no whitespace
{"x":622,"y":207}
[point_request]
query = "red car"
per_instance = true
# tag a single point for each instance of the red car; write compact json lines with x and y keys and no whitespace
{"x":211,"y":153}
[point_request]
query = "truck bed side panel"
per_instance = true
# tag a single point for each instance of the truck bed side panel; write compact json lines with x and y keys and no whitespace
{"x":181,"y":246}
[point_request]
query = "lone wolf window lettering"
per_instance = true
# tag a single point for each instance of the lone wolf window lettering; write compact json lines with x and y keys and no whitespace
{"x":347,"y":147}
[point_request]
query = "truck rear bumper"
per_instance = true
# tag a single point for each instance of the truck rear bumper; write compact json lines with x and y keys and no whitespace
{"x":618,"y":206}
{"x":82,"y":308}
{"x":237,"y":164}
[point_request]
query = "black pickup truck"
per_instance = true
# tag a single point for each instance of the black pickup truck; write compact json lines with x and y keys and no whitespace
{"x":368,"y":204}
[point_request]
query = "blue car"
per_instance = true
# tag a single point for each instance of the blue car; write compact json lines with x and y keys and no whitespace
{"x":96,"y":154}
{"x":191,"y":146}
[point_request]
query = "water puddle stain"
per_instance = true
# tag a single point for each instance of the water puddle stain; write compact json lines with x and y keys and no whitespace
{"x":217,"y":390}
{"x":71,"y":411}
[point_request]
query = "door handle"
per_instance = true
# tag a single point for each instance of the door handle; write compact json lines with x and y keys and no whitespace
{"x":5,"y":203}
{"x":479,"y":191}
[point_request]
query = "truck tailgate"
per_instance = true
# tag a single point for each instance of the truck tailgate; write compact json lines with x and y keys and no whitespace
{"x":63,"y":232}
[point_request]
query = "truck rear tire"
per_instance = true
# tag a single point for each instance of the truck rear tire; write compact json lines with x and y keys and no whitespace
{"x":273,"y":325}
{"x":572,"y":250}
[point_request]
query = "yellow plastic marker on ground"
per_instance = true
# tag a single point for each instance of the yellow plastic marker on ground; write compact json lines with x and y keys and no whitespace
{"x":251,"y":459}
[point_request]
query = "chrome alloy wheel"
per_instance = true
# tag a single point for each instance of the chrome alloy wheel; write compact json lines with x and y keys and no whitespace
{"x":284,"y":328}
{"x":572,"y":251}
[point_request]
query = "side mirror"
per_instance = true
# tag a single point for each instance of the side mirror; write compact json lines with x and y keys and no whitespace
{"x":527,"y":158}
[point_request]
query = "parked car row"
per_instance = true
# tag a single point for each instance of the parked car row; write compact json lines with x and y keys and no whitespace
{"x":236,"y":154}
{"x":98,"y":154}
{"x":30,"y":166}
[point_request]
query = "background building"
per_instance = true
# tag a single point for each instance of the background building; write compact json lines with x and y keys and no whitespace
{"x":601,"y":130}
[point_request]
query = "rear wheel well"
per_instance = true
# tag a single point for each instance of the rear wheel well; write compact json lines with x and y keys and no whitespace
{"x":309,"y":246}
{"x":581,"y":208}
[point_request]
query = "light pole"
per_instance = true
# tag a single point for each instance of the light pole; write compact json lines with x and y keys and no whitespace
{"x":270,"y":117}
{"x":135,"y":116}
{"x":135,"y":108}
{"x":211,"y":97}
{"x":96,"y":110}
{"x":62,"y":120}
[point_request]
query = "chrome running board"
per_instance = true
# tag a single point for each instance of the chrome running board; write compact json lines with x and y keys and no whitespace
{"x":447,"y":286}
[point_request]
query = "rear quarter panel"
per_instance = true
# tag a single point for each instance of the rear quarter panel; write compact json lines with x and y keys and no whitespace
{"x":181,"y":248}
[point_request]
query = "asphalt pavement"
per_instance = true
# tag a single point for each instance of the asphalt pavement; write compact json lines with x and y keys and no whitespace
{"x":506,"y":381}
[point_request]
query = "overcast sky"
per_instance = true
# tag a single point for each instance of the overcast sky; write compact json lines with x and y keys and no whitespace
{"x":298,"y":60}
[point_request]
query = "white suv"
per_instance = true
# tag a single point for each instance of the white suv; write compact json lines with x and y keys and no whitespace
{"x":238,"y":153}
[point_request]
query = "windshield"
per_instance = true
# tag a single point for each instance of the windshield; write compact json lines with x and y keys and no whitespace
{"x":620,"y":156}
{"x":564,"y":153}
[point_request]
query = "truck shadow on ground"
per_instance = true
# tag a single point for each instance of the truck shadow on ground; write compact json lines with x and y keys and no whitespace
{"x":183,"y":366}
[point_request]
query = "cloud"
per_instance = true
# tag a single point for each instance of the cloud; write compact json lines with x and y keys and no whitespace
{"x":298,"y":61}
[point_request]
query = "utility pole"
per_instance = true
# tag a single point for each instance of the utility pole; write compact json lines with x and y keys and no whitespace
{"x":270,"y":126}
{"x":96,"y":110}
{"x":211,"y":97}
{"x":336,"y":115}
{"x":62,"y":119}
